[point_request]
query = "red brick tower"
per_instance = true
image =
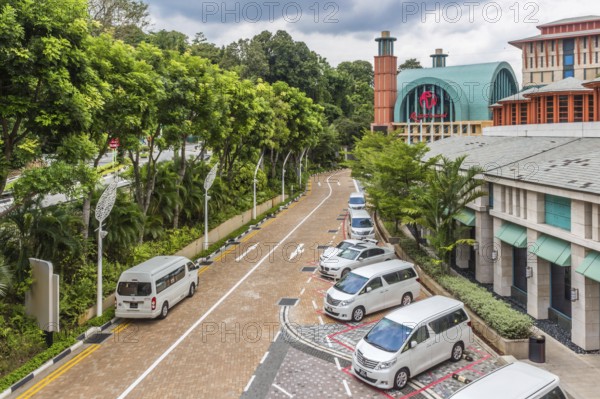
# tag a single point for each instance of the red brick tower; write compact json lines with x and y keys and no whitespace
{"x":386,"y":65}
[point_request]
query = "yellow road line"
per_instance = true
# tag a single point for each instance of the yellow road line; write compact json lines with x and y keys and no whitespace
{"x":58,"y":372}
{"x":203,"y":269}
{"x":120,"y":327}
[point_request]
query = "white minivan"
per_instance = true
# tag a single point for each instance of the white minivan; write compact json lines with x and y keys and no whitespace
{"x":357,"y":201}
{"x":516,"y":380}
{"x":372,"y":288}
{"x":361,"y":224}
{"x":151,"y":288}
{"x":411,"y":340}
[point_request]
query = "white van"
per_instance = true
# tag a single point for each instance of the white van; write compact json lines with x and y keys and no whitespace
{"x":357,"y":201}
{"x":371,"y":288}
{"x":411,"y":340}
{"x":516,"y":380}
{"x":361,"y":225}
{"x":151,"y":288}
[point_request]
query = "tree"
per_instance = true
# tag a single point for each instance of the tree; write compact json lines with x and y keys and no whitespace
{"x":411,"y":63}
{"x":169,"y":40}
{"x":5,"y":279}
{"x":448,"y":190}
{"x":201,"y":47}
{"x":124,"y":19}
{"x":48,"y":89}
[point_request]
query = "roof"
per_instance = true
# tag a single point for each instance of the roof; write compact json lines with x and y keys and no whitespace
{"x":424,"y":309}
{"x":515,"y":380}
{"x":518,"y":97}
{"x":156,"y":263}
{"x":566,"y":85}
{"x":590,"y":32}
{"x":460,"y":82}
{"x":570,"y":21}
{"x":383,"y":267}
{"x":569,"y":163}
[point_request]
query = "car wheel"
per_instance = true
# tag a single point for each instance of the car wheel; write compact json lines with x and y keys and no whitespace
{"x":457,"y":352}
{"x":406,"y":299}
{"x":344,"y":272}
{"x":401,"y":378}
{"x":192,"y":290}
{"x":358,"y":313}
{"x":164,"y":311}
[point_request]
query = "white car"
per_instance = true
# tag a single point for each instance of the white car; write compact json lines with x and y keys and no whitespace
{"x":331,"y":251}
{"x":363,"y":254}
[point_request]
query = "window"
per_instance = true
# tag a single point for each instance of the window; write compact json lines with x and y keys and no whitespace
{"x":513,"y":114}
{"x":491,"y":195}
{"x":578,"y":108}
{"x":392,"y":278}
{"x":421,"y":335}
{"x":585,"y":42}
{"x":552,"y":60}
{"x":568,"y":73}
{"x":560,"y":288}
{"x":374,"y":284}
{"x":556,"y":393}
{"x":530,"y":62}
{"x":373,"y":252}
{"x":552,"y":45}
{"x":192,"y":266}
{"x":591,"y":108}
{"x":563,"y":109}
{"x":406,"y":274}
{"x":165,"y":282}
{"x":542,"y":61}
{"x":448,"y":321}
{"x":127,"y":288}
{"x":523,"y":113}
{"x":569,"y":60}
{"x":550,"y":109}
{"x":558,"y":211}
{"x":596,"y":38}
{"x":596,"y":57}
{"x":531,"y":47}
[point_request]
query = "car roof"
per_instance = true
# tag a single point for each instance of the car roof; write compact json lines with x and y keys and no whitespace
{"x":423,"y":310}
{"x":517,"y":380}
{"x":382,"y":267}
{"x":359,"y":213}
{"x":362,"y":245}
{"x":357,"y":194}
{"x":156,"y":264}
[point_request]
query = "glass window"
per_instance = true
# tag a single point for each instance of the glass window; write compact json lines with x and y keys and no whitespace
{"x":556,"y":393}
{"x":407,"y":273}
{"x":560,"y":285}
{"x":192,"y":266}
{"x":421,"y":335}
{"x":362,"y":222}
{"x":569,"y":59}
{"x":568,"y":73}
{"x":392,"y":278}
{"x":374,"y":284}
{"x":558,"y":211}
{"x":351,"y":283}
{"x":550,"y":109}
{"x":349,"y":253}
{"x":578,"y":108}
{"x":563,"y":109}
{"x":375,"y":252}
{"x":585,"y":42}
{"x":388,"y":335}
{"x":523,"y":113}
{"x":127,"y":288}
{"x":356,"y":200}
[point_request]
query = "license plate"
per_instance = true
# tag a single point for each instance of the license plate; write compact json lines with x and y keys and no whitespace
{"x":133,"y":305}
{"x":361,"y":372}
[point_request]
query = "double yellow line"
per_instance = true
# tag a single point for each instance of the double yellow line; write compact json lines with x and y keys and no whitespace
{"x":58,"y":372}
{"x":120,"y":327}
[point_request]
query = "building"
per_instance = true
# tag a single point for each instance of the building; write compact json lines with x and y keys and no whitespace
{"x":563,"y":49}
{"x":538,"y":230}
{"x":429,"y":104}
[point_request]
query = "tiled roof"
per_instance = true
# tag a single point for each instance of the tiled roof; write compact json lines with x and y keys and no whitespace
{"x":519,"y":96}
{"x":571,"y":20}
{"x":590,"y":32}
{"x":564,"y":162}
{"x":568,"y":84}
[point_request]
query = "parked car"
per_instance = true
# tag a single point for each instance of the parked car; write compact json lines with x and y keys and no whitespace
{"x":372,"y":288}
{"x":361,"y":224}
{"x":330,"y":251}
{"x":516,"y":380}
{"x":411,"y":340}
{"x":363,"y":254}
{"x":357,"y":201}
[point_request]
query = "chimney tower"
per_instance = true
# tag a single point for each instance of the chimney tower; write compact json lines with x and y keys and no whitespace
{"x":386,"y":66}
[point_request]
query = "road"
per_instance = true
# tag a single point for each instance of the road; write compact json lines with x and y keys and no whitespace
{"x":227,"y":341}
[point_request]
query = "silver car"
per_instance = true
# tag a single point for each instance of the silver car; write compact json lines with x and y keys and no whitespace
{"x":365,"y":253}
{"x":331,"y":251}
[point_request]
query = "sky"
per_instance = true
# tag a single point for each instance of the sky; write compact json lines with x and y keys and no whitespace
{"x":468,"y":31}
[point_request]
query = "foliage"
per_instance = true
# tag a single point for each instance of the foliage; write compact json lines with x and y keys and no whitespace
{"x":410,"y":63}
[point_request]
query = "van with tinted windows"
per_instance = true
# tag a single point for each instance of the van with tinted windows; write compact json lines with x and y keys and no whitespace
{"x":151,"y":288}
{"x":372,"y":288}
{"x":411,"y":340}
{"x":516,"y":380}
{"x":361,"y":224}
{"x":357,"y":201}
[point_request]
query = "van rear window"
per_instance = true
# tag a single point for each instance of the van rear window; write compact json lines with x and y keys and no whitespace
{"x":362,"y":223}
{"x":356,"y":200}
{"x":127,"y":288}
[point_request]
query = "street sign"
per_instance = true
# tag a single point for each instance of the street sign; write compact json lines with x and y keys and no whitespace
{"x":114,"y":143}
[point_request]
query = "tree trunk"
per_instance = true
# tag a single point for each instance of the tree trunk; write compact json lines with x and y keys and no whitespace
{"x":180,"y":175}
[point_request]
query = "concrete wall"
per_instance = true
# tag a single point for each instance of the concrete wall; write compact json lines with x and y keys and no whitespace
{"x":580,"y":129}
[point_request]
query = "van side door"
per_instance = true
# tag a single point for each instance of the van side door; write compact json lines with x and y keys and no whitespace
{"x":449,"y":329}
{"x":420,"y":355}
{"x":372,"y":255}
{"x":373,"y":295}
{"x":393,"y":297}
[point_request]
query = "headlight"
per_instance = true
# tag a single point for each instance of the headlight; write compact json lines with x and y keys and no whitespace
{"x":347,"y":302}
{"x":385,"y":365}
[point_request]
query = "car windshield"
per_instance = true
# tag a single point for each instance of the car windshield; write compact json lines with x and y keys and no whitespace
{"x":388,"y":335}
{"x":351,"y":284}
{"x":349,"y":253}
{"x":357,"y":200}
{"x":128,"y":288}
{"x":344,"y":245}
{"x":362,"y":222}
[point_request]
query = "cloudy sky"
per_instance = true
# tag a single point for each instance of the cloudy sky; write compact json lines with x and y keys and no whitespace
{"x":469,"y":31}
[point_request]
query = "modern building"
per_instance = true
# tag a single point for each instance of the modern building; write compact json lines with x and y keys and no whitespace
{"x":563,"y":49}
{"x":538,"y":229}
{"x":429,"y":104}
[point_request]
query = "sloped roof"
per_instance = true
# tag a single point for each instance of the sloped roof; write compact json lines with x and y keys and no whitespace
{"x":519,"y":96}
{"x":469,"y":85}
{"x":566,"y":85}
{"x":562,"y":35}
{"x":570,"y":21}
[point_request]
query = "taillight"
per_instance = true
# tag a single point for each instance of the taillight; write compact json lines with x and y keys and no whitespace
{"x":153,"y":303}
{"x":418,"y":280}
{"x":469,"y":323}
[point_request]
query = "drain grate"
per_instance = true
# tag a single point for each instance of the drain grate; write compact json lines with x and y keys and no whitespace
{"x":332,"y":231}
{"x":341,"y":218}
{"x":206,"y":263}
{"x":309,"y":269}
{"x":288,"y":301}
{"x":96,"y":338}
{"x":323,"y":247}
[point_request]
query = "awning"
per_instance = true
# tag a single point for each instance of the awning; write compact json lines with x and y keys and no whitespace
{"x":513,"y":235}
{"x":553,"y":250}
{"x":466,"y":217}
{"x":590,"y":267}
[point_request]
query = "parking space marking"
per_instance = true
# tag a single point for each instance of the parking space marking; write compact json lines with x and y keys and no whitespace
{"x":276,"y":336}
{"x":321,"y":320}
{"x":249,"y":383}
{"x":347,"y":388}
{"x":264,"y":357}
{"x":246,"y":252}
{"x":302,"y":292}
{"x":337,"y":364}
{"x":314,"y":304}
{"x":309,"y":280}
{"x":289,"y":395}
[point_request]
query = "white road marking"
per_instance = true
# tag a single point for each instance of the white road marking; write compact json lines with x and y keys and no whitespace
{"x":347,"y":388}
{"x":337,"y":363}
{"x":242,"y":256}
{"x":314,"y":304}
{"x":319,"y":184}
{"x":221,"y":300}
{"x":264,"y":358}
{"x":321,"y":320}
{"x":276,"y":336}
{"x":339,"y":184}
{"x":309,"y":280}
{"x":297,"y":252}
{"x":249,"y":383}
{"x":302,"y":292}
{"x":356,"y":185}
{"x":328,"y":342}
{"x":283,"y":390}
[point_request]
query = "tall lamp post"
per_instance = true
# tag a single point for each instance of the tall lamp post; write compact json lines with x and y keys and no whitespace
{"x":208,"y":182}
{"x":300,"y":169}
{"x":103,"y":208}
{"x":254,"y":186}
{"x":283,"y":176}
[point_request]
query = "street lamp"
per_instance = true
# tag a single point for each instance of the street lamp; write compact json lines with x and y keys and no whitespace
{"x":254,"y":185}
{"x":208,"y":182}
{"x":283,"y":176}
{"x":103,"y":208}
{"x":300,"y":169}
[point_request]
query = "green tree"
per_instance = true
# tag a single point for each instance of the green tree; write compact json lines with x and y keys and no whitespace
{"x":169,"y":40}
{"x":411,"y":63}
{"x":124,"y":19}
{"x":5,"y":279}
{"x":201,"y":47}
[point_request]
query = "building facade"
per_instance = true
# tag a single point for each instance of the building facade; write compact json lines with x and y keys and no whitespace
{"x":563,"y":49}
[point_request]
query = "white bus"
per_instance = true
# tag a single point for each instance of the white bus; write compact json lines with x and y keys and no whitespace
{"x":151,"y":288}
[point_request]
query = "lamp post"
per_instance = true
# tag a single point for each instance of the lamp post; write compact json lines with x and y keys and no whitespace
{"x":300,"y":169}
{"x":103,"y":208}
{"x":254,"y":185}
{"x":208,"y":182}
{"x":283,"y":176}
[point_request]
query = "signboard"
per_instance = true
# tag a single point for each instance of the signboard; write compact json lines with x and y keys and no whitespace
{"x":428,"y":100}
{"x":114,"y":143}
{"x":43,"y":299}
{"x":210,"y":178}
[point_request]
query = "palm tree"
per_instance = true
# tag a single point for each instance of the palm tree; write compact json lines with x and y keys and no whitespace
{"x":5,"y":279}
{"x":449,"y":189}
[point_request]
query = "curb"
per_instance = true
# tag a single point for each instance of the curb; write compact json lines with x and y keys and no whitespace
{"x":57,"y":358}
